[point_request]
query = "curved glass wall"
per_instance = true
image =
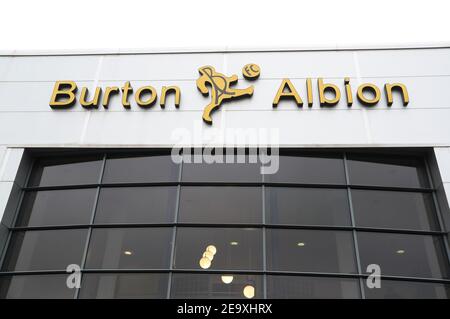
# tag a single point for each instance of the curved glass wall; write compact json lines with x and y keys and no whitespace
{"x":141,"y":226}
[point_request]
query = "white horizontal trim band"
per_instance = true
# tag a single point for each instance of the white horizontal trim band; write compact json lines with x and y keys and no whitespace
{"x":229,"y":49}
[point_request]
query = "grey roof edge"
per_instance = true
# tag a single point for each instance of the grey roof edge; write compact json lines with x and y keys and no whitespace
{"x":229,"y":49}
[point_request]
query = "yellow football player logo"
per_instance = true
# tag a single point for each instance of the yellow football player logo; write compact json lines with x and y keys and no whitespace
{"x":220,"y":89}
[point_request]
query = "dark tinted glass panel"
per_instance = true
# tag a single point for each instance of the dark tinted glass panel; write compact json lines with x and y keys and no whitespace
{"x":310,"y":169}
{"x":57,"y":207}
{"x":216,"y":286}
{"x":404,"y":210}
{"x":236,"y":168}
{"x":376,"y":170}
{"x":136,"y":205}
{"x":158,"y":168}
{"x":403,"y":254}
{"x":66,"y":171}
{"x":4,"y":234}
{"x":442,"y":202}
{"x":234,"y":248}
{"x":35,"y":287}
{"x":121,"y":286}
{"x":391,"y":289}
{"x":307,"y":206}
{"x":305,"y":287}
{"x":220,"y":205}
{"x":310,"y":250}
{"x":130,"y":248}
{"x":45,"y":249}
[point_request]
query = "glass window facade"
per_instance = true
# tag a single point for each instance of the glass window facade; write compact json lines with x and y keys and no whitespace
{"x":140,"y":225}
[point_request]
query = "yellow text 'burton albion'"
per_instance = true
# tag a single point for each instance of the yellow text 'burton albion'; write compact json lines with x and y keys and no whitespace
{"x":64,"y":94}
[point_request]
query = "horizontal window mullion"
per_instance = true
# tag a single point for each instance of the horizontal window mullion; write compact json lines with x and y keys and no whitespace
{"x":227,"y":271}
{"x":59,"y":187}
{"x":400,"y":231}
{"x":392,"y":188}
{"x":205,"y":225}
{"x":139,"y":184}
{"x":357,"y":228}
{"x":224,"y":183}
{"x":303,"y":185}
{"x":409,"y":278}
{"x":52,"y":227}
{"x":32,"y":272}
{"x":218,"y":183}
{"x":351,"y":275}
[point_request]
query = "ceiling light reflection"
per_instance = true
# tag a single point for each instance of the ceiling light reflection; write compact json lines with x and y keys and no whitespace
{"x":249,"y":291}
{"x":212,"y":249}
{"x":209,"y":255}
{"x":227,"y":279}
{"x":205,"y":263}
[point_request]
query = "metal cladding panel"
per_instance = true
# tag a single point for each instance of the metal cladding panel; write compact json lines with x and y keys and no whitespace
{"x":26,"y":84}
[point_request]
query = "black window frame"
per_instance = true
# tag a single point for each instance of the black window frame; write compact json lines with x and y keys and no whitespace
{"x":361,"y":276}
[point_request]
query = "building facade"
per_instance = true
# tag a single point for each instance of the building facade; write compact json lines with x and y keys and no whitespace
{"x":316,"y":173}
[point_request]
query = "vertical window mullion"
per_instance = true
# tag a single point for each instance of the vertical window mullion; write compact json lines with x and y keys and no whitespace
{"x":263,"y":188}
{"x":174,"y":231}
{"x":94,"y":209}
{"x":352,"y":216}
{"x":438,"y":211}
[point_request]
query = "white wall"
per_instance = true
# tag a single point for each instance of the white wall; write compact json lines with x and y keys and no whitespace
{"x":12,"y":178}
{"x":26,"y":84}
